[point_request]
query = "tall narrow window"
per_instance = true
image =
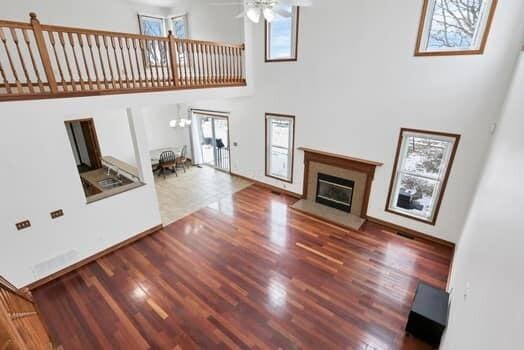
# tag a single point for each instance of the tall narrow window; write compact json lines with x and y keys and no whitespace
{"x":153,"y":26}
{"x":280,"y":141}
{"x":282,"y":36}
{"x":420,"y":173}
{"x":452,"y":27}
{"x":179,"y":26}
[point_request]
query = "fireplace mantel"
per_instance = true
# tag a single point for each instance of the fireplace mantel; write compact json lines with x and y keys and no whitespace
{"x":340,"y":156}
{"x":367,"y":167}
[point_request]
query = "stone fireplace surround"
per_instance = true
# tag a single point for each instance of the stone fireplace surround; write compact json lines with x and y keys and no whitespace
{"x":358,"y":170}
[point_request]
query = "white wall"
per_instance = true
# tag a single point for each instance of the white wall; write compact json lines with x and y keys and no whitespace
{"x":489,"y":314}
{"x":209,"y":22}
{"x":159,"y":134}
{"x":39,"y":175}
{"x":356,"y":83}
{"x":114,"y":136}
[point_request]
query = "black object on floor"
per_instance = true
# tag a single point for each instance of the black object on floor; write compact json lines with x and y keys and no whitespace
{"x":428,"y":317}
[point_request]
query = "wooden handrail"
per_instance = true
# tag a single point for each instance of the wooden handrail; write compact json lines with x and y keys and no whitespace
{"x":49,"y":61}
{"x":7,"y":285}
{"x":20,"y":324}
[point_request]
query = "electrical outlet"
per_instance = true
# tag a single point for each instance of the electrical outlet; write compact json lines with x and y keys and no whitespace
{"x":23,"y":225}
{"x":56,"y":214}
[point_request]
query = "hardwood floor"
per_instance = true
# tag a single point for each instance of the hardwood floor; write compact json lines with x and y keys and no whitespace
{"x":246,"y":272}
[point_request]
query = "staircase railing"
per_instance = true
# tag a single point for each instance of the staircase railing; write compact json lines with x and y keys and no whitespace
{"x":20,"y":324}
{"x":46,"y":61}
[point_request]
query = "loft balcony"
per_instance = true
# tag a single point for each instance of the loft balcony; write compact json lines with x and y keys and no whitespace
{"x":39,"y":61}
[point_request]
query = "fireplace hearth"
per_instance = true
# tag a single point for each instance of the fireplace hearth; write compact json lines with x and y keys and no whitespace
{"x":335,"y":192}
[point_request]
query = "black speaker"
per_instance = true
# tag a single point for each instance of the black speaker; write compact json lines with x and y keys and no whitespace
{"x":428,"y":317}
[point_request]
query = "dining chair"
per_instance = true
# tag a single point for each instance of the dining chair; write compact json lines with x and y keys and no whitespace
{"x":182,"y":159}
{"x":167,"y":161}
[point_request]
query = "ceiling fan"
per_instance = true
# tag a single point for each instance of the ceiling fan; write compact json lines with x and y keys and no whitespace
{"x":270,"y":9}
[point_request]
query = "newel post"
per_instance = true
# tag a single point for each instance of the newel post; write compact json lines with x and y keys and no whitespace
{"x":173,"y":55}
{"x":44,"y":54}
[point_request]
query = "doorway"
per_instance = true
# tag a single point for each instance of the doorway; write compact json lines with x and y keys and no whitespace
{"x":211,"y":139}
{"x":84,"y":143}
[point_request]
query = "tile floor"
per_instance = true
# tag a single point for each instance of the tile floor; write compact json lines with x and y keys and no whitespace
{"x":193,"y":190}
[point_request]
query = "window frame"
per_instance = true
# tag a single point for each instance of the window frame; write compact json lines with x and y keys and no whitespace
{"x":141,"y":27}
{"x":182,"y":16}
{"x":442,"y":183}
{"x":267,"y":146}
{"x":294,"y":39}
{"x":423,"y":34}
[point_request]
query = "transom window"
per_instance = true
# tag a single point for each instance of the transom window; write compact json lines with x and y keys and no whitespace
{"x":280,"y":140}
{"x":420,"y":174}
{"x":451,"y":27}
{"x":282,"y":36}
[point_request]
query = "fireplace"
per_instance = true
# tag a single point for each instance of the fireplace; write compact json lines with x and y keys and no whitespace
{"x":335,"y":192}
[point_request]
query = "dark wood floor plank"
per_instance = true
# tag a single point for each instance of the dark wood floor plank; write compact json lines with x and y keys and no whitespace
{"x":247,"y":272}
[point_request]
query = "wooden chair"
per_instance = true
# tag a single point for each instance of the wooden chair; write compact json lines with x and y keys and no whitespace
{"x":167,"y":161}
{"x":182,"y":160}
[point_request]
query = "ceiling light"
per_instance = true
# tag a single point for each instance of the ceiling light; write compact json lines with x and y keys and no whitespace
{"x":172,"y":123}
{"x":253,"y":14}
{"x":269,"y":15}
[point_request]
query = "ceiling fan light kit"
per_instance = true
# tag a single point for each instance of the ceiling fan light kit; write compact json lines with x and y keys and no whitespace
{"x":270,"y":9}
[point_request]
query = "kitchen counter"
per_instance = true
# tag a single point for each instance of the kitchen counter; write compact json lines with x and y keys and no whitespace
{"x":94,"y":177}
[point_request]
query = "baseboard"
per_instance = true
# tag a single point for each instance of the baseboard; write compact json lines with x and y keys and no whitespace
{"x":90,"y":259}
{"x":269,"y":187}
{"x":411,"y":232}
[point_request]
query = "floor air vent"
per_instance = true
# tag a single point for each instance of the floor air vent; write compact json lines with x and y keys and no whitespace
{"x":405,"y":235}
{"x":54,"y":264}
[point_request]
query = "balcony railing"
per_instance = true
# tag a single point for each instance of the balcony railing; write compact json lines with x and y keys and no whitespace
{"x":47,"y":61}
{"x":20,"y":324}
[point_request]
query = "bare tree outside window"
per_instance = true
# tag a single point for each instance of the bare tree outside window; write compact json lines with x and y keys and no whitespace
{"x":455,"y":25}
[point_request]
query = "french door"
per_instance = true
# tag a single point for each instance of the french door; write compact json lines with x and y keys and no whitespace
{"x":212,"y":139}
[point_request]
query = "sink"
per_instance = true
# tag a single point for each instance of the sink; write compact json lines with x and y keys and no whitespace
{"x":109,"y":183}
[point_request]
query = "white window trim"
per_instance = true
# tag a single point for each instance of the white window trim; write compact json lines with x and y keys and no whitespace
{"x":294,"y":38}
{"x":269,"y":146}
{"x":439,"y":180}
{"x":140,"y":15}
{"x":186,"y":23}
{"x":480,"y":32}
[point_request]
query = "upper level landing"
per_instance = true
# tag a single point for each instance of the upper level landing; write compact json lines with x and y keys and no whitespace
{"x":40,"y":61}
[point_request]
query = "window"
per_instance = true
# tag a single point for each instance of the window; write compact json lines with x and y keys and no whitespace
{"x":420,"y":173}
{"x":451,"y":27}
{"x":153,"y":26}
{"x":179,"y":26}
{"x":282,"y":37}
{"x":280,"y":144}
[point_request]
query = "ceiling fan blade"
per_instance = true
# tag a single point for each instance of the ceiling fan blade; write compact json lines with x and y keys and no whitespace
{"x":282,"y":13}
{"x":303,"y":3}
